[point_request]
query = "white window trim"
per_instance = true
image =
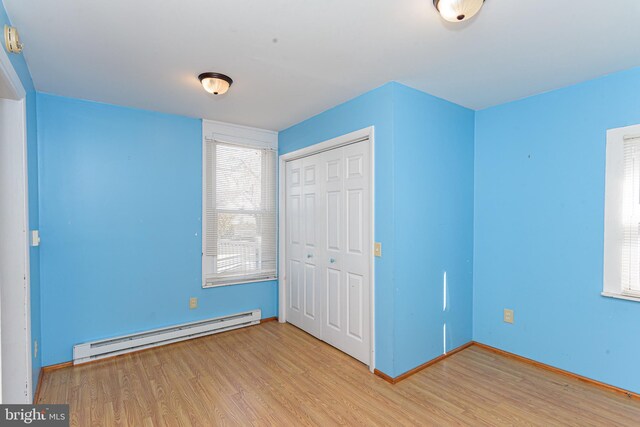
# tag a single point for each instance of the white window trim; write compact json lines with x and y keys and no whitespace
{"x":234,"y":134}
{"x":613,"y":225}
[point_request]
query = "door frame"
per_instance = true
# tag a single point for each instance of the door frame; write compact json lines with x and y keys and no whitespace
{"x":340,"y":141}
{"x":15,"y":91}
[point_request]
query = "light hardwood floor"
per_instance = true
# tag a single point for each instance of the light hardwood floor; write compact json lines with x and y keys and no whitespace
{"x":275,"y":374}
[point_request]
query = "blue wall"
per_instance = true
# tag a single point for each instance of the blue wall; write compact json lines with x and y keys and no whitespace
{"x":539,"y":215}
{"x":433,"y":200}
{"x":120,"y":208}
{"x":22,"y":70}
{"x":412,"y":127}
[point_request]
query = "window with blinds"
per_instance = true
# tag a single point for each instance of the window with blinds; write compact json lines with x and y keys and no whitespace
{"x":240,"y":214}
{"x":630,"y":273}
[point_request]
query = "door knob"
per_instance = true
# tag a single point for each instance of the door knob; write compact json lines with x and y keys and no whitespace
{"x":332,"y":261}
{"x":309,"y":256}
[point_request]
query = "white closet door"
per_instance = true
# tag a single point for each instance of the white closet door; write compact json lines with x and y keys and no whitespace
{"x":328,"y":247}
{"x":346,"y":265}
{"x":303,"y":302}
{"x":294,"y":244}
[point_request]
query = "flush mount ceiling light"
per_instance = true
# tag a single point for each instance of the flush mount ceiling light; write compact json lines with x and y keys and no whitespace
{"x":12,"y":40}
{"x":215,"y":83}
{"x":458,"y":10}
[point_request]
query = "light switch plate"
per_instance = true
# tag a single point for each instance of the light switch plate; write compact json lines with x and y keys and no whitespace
{"x":508,"y":315}
{"x":377,"y":249}
{"x":193,"y":303}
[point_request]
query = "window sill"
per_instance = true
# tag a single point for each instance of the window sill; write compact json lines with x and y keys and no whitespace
{"x":242,"y":282}
{"x":628,"y":297}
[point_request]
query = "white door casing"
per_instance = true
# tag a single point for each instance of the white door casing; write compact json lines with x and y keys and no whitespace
{"x":15,"y":307}
{"x":327,"y":259}
{"x":15,"y":319}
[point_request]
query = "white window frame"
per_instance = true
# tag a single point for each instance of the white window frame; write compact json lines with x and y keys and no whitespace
{"x":613,"y":215}
{"x":238,"y":135}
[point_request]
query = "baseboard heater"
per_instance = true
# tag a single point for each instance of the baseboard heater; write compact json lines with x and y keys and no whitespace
{"x":95,"y":350}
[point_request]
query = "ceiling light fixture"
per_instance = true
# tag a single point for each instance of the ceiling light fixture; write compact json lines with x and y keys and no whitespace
{"x":458,"y":10}
{"x":12,"y":39}
{"x":215,"y":83}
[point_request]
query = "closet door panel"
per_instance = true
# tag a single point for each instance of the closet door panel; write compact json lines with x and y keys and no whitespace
{"x":347,"y":249}
{"x":294,"y":241}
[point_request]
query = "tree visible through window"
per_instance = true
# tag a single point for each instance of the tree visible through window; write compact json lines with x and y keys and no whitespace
{"x":240,"y":223}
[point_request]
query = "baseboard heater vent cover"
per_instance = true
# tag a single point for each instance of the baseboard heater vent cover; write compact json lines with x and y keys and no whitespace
{"x":95,"y":350}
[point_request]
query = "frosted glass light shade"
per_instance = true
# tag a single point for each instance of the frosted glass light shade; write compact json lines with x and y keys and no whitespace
{"x":215,"y":83}
{"x":458,"y":10}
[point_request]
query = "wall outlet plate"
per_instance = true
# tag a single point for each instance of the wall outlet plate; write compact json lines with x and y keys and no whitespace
{"x":35,"y":237}
{"x":193,"y":303}
{"x":508,"y":315}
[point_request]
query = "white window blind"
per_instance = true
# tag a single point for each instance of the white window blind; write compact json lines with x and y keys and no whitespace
{"x":240,"y":213}
{"x":631,"y":216}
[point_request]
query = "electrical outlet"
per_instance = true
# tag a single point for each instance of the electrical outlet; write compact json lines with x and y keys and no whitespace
{"x":193,"y":303}
{"x":35,"y":238}
{"x":377,"y":249}
{"x":508,"y":315}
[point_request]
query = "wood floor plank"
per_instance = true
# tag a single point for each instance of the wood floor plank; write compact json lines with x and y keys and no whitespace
{"x":275,"y":374}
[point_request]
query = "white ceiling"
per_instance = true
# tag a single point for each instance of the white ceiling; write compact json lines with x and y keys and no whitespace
{"x":291,"y":59}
